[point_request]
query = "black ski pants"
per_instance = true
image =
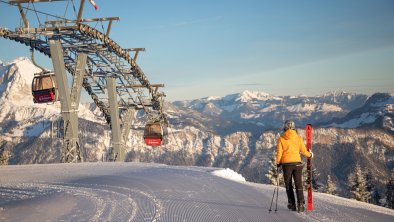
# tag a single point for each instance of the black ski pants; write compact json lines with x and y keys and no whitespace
{"x":293,"y":171}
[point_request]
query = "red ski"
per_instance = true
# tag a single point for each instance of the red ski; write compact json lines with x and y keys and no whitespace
{"x":308,"y":134}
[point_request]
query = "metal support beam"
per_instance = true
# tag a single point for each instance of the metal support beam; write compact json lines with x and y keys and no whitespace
{"x":118,"y":151}
{"x":85,"y":20}
{"x":75,"y":98}
{"x":109,"y":27}
{"x":78,"y":79}
{"x":46,"y":30}
{"x":25,"y":22}
{"x":80,"y":11}
{"x":71,"y":151}
{"x":127,"y":121}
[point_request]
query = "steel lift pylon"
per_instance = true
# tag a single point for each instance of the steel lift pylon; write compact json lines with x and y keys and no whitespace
{"x":69,"y":100}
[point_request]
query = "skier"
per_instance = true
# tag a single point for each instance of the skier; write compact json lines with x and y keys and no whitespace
{"x":289,"y":147}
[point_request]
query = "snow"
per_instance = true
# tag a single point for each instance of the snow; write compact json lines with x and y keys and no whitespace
{"x":26,"y":68}
{"x":229,"y":174}
{"x":156,"y":192}
{"x":302,"y":108}
{"x":210,"y":98}
{"x":388,"y":123}
{"x":389,"y":101}
{"x":230,"y":108}
{"x":35,"y":130}
{"x":330,"y":108}
{"x":270,"y":108}
{"x":365,"y":118}
{"x":247,"y":96}
{"x":325,"y":108}
{"x":230,"y":97}
{"x":249,"y":116}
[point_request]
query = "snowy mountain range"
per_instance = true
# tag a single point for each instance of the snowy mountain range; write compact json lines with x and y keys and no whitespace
{"x":268,"y":112}
{"x":237,"y":131}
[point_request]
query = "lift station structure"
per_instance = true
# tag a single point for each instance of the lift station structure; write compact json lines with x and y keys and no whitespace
{"x":108,"y":73}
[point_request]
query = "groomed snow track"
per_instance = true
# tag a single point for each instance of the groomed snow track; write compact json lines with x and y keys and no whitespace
{"x":155,"y":192}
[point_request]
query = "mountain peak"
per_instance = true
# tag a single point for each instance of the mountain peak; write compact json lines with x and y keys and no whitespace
{"x":248,"y":95}
{"x":15,"y":81}
{"x":336,"y":93}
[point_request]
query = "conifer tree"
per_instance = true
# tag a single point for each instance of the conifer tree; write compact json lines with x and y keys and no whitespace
{"x":4,"y":156}
{"x":358,"y":185}
{"x":331,"y":187}
{"x":316,"y":185}
{"x":375,"y":195}
{"x":390,"y":192}
{"x":273,"y":172}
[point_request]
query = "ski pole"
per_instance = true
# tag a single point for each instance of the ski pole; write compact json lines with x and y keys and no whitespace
{"x":277,"y":189}
{"x":273,"y":195}
{"x":272,"y":200}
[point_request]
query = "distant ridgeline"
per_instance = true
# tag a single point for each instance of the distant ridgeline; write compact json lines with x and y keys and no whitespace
{"x":238,"y":131}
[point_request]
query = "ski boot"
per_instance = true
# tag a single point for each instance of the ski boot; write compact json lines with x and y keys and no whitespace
{"x":301,"y":207}
{"x":291,"y":206}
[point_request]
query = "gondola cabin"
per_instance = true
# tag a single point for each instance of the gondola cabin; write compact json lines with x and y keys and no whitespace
{"x":153,"y":134}
{"x":44,"y":88}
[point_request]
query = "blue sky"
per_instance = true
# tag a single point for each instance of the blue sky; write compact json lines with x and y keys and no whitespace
{"x":218,"y":47}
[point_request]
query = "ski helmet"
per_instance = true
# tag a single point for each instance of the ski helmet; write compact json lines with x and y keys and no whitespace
{"x":289,"y":124}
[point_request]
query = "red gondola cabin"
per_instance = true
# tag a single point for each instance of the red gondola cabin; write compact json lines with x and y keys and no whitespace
{"x":44,"y":89}
{"x":153,"y":134}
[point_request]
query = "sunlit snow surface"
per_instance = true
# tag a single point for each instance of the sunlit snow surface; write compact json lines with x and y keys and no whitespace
{"x":229,"y":174}
{"x":154,"y":192}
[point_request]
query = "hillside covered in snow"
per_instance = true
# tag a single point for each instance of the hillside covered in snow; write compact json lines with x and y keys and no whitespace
{"x":155,"y":192}
{"x":237,"y":131}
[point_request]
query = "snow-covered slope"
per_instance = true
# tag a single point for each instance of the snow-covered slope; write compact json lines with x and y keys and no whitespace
{"x":151,"y":192}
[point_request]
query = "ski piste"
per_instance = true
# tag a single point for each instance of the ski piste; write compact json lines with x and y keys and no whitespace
{"x":308,"y":135}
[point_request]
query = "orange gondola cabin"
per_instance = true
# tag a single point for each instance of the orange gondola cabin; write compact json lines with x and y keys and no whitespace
{"x":153,"y":134}
{"x":44,"y":88}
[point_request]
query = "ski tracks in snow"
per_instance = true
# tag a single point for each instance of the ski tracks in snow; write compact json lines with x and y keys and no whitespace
{"x":97,"y":202}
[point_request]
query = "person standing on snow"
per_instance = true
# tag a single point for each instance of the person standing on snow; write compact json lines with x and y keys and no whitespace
{"x":289,"y":147}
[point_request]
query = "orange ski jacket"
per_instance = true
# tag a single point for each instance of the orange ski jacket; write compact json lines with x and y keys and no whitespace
{"x":289,"y":147}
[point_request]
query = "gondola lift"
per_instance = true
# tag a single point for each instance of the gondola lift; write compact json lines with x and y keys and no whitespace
{"x":153,"y":134}
{"x":43,"y":87}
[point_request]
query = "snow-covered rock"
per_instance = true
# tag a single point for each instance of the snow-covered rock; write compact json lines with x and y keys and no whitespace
{"x":229,"y":174}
